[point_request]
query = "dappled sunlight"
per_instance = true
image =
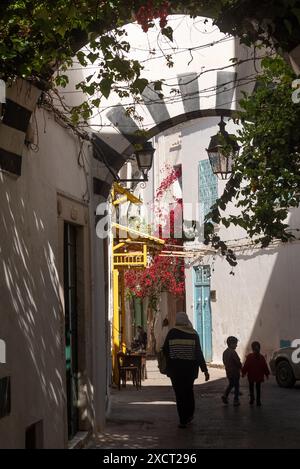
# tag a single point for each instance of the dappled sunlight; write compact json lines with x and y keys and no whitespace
{"x":117,"y":440}
{"x":89,"y":412}
{"x":153,"y":403}
{"x":29,"y":286}
{"x":148,"y":418}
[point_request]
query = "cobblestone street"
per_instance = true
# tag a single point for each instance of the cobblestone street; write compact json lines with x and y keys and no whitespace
{"x":148,"y":418}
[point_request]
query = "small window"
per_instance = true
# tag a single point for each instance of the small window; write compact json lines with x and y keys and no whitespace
{"x":178,"y":169}
{"x":34,"y":436}
{"x":284,"y":343}
{"x":5,"y":397}
{"x":213,"y":295}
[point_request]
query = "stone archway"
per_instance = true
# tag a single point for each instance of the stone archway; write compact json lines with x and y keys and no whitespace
{"x":114,"y":160}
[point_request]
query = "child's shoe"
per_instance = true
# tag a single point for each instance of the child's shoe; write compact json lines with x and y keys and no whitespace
{"x":236,"y":403}
{"x":251,"y":402}
{"x":224,"y":399}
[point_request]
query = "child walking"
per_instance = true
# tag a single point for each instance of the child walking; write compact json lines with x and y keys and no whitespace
{"x":233,"y":367}
{"x":256,"y":368}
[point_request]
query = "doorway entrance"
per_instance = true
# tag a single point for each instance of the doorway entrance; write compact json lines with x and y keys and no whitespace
{"x":71,"y":325}
{"x":202,"y":308}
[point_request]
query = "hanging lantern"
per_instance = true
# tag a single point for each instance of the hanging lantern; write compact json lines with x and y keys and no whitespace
{"x":222,"y":151}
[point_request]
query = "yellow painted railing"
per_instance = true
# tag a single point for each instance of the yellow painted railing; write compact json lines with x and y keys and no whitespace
{"x":131,"y":259}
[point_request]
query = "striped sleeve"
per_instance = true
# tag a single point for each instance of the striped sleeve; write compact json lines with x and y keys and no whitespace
{"x":182,"y":349}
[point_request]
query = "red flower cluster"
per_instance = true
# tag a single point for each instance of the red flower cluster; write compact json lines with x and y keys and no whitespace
{"x":167,"y":182}
{"x":164,"y":274}
{"x":147,"y":13}
{"x":174,"y":218}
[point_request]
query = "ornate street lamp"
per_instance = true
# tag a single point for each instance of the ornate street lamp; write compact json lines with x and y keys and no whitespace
{"x":144,"y":159}
{"x":114,"y":160}
{"x":222,"y":151}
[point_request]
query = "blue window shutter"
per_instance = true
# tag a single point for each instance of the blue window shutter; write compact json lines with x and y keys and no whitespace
{"x":208,"y":188}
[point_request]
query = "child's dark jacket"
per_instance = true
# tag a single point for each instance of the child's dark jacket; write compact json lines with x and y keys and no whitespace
{"x":255,"y":367}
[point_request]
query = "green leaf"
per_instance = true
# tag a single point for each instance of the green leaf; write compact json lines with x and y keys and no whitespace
{"x":92,"y":57}
{"x":105,"y":86}
{"x":158,"y":85}
{"x":96,"y":102}
{"x":81,"y":58}
{"x":168,"y":32}
{"x":62,"y":80}
{"x":140,"y":84}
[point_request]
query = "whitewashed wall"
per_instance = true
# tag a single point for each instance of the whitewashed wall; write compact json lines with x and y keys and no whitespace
{"x":260,"y":302}
{"x":31,"y":321}
{"x":199,"y":51}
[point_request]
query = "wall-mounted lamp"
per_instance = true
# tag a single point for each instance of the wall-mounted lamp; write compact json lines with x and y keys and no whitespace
{"x":144,"y":159}
{"x":222,"y":151}
{"x":114,"y":160}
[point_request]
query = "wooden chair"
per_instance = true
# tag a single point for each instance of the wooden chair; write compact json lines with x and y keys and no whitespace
{"x":135,"y":359}
{"x":125,"y":368}
{"x":139,"y":359}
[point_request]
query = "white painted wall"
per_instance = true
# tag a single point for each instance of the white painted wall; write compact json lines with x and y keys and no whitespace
{"x":31,"y":315}
{"x":198,"y":47}
{"x":252,"y":303}
{"x":185,"y":143}
{"x":260,"y":301}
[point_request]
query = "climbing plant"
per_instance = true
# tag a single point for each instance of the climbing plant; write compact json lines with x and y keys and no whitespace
{"x":40,"y":39}
{"x":265,"y":183}
{"x":269,"y":22}
{"x":162,"y":273}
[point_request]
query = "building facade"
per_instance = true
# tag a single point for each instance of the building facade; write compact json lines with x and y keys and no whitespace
{"x":56,"y":293}
{"x":53,"y":312}
{"x":257,"y":300}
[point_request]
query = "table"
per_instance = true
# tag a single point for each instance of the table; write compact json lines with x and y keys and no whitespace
{"x":138,"y":359}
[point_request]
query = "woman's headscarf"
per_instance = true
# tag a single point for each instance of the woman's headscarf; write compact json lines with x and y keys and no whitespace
{"x":183,"y":323}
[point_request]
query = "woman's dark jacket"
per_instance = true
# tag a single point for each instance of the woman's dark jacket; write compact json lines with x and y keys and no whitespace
{"x":183,"y":354}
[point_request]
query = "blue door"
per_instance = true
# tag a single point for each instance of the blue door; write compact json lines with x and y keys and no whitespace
{"x":202,"y":309}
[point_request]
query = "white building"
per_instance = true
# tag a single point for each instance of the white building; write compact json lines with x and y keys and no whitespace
{"x":258,"y":302}
{"x":53,"y":267}
{"x":53,"y":320}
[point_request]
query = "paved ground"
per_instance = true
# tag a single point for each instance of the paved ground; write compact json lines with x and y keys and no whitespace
{"x":148,"y":418}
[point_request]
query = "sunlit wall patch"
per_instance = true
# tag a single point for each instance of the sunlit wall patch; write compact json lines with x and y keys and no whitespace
{"x":2,"y":351}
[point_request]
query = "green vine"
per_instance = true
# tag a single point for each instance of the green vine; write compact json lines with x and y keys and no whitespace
{"x":265,"y":183}
{"x":40,"y":40}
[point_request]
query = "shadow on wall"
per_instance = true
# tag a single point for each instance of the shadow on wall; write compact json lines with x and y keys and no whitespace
{"x":30,"y":316}
{"x":278,"y":319}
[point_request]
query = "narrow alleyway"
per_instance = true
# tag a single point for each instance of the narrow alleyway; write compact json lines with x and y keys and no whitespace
{"x":148,"y":418}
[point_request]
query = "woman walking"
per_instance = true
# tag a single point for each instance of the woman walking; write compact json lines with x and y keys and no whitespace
{"x":184,"y":357}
